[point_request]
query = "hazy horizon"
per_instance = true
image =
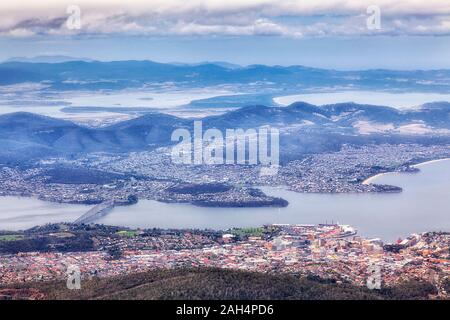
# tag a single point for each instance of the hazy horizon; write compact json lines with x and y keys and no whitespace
{"x":341,"y":35}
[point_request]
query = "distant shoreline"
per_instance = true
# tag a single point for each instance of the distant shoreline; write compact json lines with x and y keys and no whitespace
{"x":421,"y":164}
{"x":428,"y":162}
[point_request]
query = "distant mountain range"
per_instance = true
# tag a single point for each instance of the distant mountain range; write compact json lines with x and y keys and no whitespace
{"x":47,"y":59}
{"x":223,"y":64}
{"x":304,"y":128}
{"x":69,"y":74}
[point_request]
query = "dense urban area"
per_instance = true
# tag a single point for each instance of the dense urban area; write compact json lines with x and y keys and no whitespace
{"x":329,"y":252}
{"x":151,"y":175}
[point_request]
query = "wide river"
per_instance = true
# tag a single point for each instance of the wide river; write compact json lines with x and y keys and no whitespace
{"x":424,"y":205}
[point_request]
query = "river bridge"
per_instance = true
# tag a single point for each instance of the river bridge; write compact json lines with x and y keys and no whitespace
{"x":100,"y":210}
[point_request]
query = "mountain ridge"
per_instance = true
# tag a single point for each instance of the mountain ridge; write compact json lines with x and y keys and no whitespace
{"x":302,"y":125}
{"x":81,"y":74}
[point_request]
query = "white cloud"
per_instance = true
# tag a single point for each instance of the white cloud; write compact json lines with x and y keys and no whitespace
{"x":288,"y":18}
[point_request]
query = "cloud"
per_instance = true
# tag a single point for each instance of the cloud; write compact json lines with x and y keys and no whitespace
{"x":286,"y":18}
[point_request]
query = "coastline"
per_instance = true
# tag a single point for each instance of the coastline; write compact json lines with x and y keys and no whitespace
{"x":418,"y":165}
{"x":370,"y":179}
{"x":429,"y":162}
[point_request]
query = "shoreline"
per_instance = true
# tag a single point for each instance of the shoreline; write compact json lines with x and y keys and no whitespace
{"x":429,"y":162}
{"x":418,"y":165}
{"x":370,"y":179}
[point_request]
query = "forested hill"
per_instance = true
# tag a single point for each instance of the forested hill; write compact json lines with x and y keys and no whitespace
{"x":214,"y":284}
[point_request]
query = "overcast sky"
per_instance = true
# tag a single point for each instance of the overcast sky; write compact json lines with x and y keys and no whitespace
{"x":322,"y":33}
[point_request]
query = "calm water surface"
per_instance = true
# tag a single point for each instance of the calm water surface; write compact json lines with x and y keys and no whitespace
{"x":18,"y":213}
{"x":424,"y":205}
